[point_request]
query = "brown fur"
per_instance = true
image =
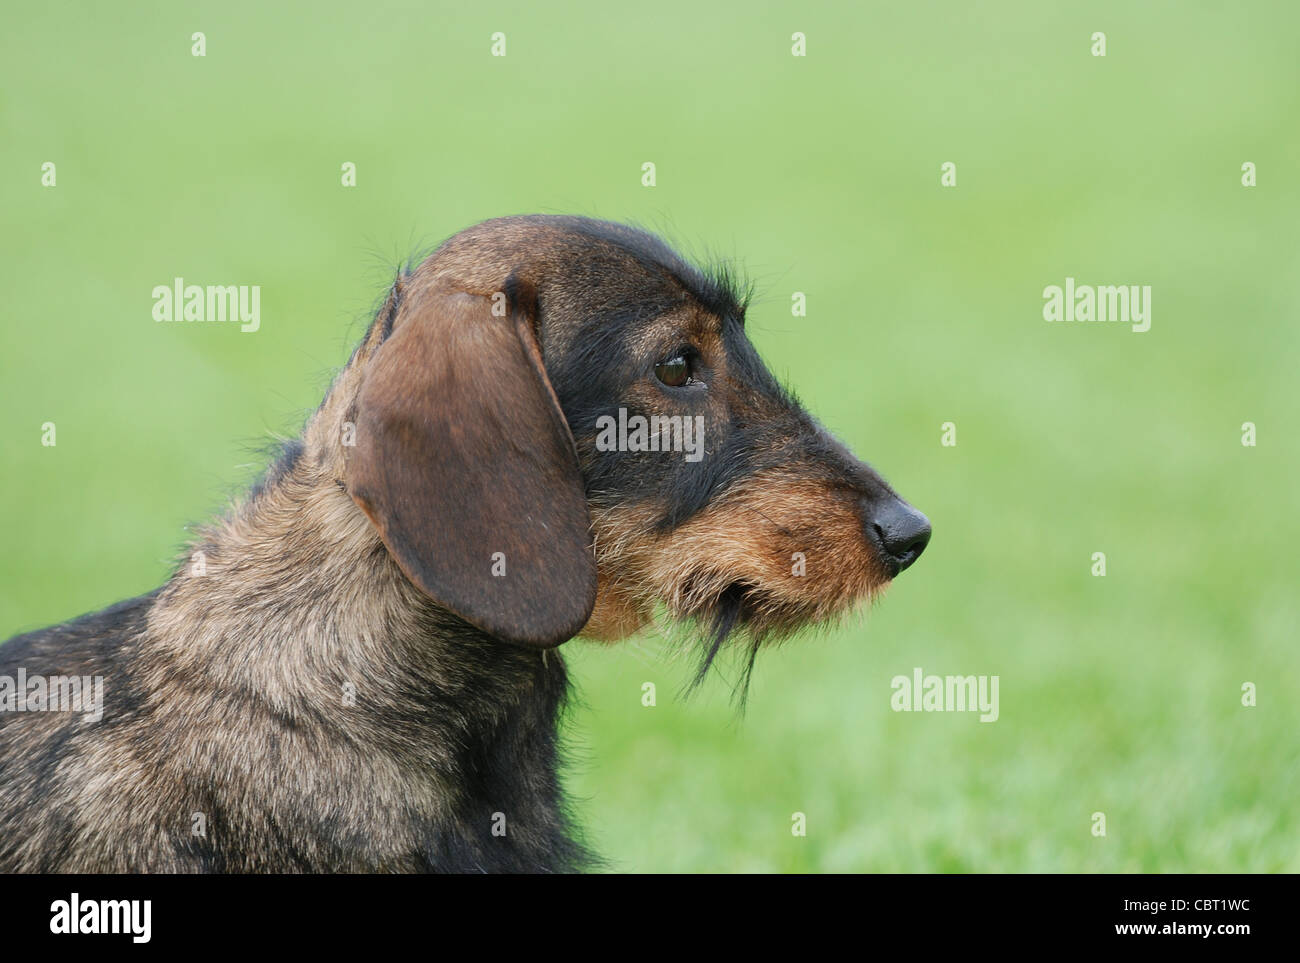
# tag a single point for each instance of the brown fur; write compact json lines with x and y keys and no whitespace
{"x":335,"y":680}
{"x":751,"y":534}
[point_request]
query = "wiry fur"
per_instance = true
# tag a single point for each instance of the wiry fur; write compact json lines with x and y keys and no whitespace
{"x":226,"y":699}
{"x":730,"y":569}
{"x":315,"y":687}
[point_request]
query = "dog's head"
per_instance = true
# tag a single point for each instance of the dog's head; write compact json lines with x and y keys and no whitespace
{"x":562,"y":425}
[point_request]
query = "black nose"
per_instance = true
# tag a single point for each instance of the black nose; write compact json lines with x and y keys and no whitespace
{"x":898,"y":529}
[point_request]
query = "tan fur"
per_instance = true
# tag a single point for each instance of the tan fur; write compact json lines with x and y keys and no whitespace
{"x":749,"y":534}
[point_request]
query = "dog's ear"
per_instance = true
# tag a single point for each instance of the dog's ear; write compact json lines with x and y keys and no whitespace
{"x":465,"y":464}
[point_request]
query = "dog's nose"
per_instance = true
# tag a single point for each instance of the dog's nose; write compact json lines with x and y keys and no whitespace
{"x":898,"y":529}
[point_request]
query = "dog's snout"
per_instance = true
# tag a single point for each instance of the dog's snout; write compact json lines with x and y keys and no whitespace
{"x":898,"y":530}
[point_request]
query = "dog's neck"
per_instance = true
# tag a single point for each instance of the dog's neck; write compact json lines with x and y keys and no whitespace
{"x":293,"y":594}
{"x":296,"y":574}
{"x":292,"y":603}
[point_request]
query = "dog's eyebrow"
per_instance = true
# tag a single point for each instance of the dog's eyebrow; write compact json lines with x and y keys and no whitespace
{"x":718,"y":290}
{"x":719,"y":300}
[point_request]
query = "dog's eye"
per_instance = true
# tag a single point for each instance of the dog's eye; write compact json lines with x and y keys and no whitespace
{"x":674,"y":372}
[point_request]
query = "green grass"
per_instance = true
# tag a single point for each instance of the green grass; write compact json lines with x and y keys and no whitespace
{"x":1118,"y":694}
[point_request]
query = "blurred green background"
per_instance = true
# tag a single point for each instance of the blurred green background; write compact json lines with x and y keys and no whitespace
{"x":819,"y":174}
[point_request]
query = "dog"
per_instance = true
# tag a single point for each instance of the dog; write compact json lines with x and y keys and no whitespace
{"x":554,"y":427}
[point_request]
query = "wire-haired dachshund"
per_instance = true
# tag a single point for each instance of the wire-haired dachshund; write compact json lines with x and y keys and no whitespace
{"x":554,"y":427}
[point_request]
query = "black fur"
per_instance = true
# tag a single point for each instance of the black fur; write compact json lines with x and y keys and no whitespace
{"x":224,"y":689}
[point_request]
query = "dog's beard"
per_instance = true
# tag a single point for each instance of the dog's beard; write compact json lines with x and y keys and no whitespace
{"x":705,"y":608}
{"x":745,"y":619}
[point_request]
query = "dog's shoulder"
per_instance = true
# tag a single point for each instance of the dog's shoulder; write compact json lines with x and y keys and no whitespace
{"x":90,"y":640}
